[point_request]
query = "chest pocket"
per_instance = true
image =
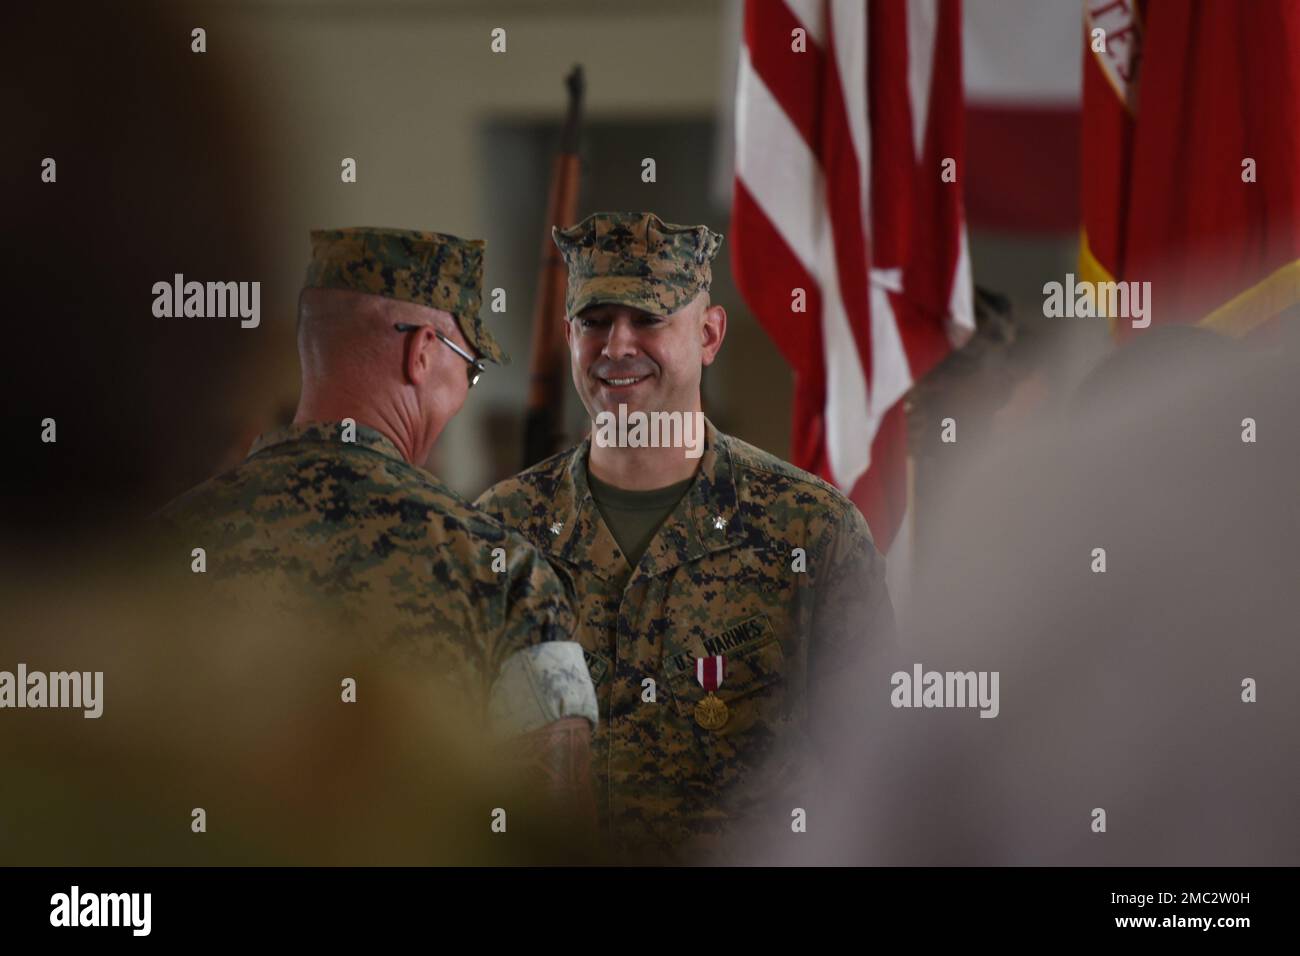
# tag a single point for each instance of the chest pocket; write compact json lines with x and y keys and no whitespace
{"x":754,"y":688}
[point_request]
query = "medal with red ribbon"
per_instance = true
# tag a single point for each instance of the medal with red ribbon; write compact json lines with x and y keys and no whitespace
{"x":711,"y":713}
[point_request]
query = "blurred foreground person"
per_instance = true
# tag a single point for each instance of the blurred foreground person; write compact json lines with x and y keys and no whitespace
{"x":1127,"y":568}
{"x":222,"y":735}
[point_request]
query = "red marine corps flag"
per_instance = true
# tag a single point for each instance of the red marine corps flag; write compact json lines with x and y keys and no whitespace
{"x":1191,"y":157}
{"x":848,"y":235}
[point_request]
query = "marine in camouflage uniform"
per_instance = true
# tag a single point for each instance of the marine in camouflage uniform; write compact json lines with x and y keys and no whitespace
{"x":760,"y":562}
{"x":333,"y":512}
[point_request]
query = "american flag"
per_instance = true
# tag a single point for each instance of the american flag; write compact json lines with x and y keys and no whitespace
{"x":848,"y":227}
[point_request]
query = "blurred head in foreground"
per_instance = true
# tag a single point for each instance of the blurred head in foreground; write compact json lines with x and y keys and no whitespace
{"x":1127,"y":569}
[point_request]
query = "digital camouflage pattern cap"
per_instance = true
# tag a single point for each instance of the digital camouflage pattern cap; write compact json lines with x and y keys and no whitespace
{"x":635,"y":259}
{"x":428,"y":268}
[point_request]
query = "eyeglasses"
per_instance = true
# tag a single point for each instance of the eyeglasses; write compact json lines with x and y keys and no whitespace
{"x":476,"y":366}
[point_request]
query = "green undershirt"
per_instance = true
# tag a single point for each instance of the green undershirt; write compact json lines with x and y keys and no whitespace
{"x":633,"y":517}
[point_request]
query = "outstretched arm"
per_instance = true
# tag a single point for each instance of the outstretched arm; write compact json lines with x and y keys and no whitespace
{"x":543,"y":706}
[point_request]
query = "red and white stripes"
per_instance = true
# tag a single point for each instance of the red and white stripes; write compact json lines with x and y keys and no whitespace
{"x":839,"y":193}
{"x":711,"y":671}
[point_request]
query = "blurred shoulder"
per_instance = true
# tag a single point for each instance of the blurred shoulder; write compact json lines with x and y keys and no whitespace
{"x":766,"y":480}
{"x":530,"y":491}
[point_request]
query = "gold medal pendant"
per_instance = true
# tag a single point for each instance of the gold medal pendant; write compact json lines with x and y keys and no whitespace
{"x":711,"y":713}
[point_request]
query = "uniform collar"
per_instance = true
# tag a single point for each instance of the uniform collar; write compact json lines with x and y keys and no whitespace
{"x":707,"y":519}
{"x":328,"y":433}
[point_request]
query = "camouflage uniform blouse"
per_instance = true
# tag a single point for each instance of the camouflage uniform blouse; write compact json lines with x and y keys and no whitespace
{"x":722,"y":576}
{"x":353,"y":524}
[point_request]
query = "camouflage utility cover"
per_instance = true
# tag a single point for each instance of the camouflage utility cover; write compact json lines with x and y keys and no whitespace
{"x":405,"y":559}
{"x":719,"y":578}
{"x":428,"y":268}
{"x":635,"y":259}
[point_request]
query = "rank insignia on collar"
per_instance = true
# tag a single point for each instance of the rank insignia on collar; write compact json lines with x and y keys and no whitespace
{"x":711,"y":713}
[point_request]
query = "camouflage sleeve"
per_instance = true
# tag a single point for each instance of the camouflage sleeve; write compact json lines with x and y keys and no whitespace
{"x":538,"y":608}
{"x":853,"y":617}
